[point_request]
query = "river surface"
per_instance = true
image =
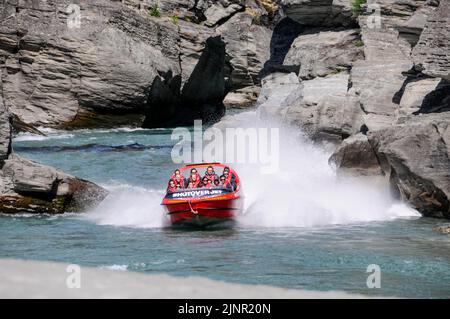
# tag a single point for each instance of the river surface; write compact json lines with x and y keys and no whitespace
{"x":303,"y":228}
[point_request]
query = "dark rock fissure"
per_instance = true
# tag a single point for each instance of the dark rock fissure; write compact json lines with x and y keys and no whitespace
{"x":201,"y":97}
{"x":284,"y":34}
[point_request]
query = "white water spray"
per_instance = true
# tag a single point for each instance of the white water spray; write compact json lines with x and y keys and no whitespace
{"x":305,"y":192}
{"x":130,"y":206}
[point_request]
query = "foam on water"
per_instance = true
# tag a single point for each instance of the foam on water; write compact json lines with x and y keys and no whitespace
{"x":131,"y":206}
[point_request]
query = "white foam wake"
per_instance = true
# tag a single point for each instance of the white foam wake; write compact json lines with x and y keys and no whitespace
{"x":130,"y":206}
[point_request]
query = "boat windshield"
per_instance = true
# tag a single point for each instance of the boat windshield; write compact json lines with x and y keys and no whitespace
{"x":203,"y":176}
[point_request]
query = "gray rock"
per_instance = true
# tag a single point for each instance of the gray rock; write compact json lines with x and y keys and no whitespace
{"x":5,"y":130}
{"x":320,"y":107}
{"x":431,"y":54}
{"x":415,"y":94}
{"x":279,"y":90}
{"x":378,"y":80}
{"x":107,"y":65}
{"x":26,"y":186}
{"x":356,"y":156}
{"x":242,"y":98}
{"x":319,"y":12}
{"x":444,"y":229}
{"x":217,"y":12}
{"x":325,"y":110}
{"x":416,"y":157}
{"x":324,"y":52}
{"x":248,"y":48}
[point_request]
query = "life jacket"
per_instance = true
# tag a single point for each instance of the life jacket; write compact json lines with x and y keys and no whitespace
{"x":230,"y":181}
{"x":192,"y":184}
{"x":179,"y":180}
{"x":208,"y":184}
{"x":211,"y":177}
{"x":171,"y":189}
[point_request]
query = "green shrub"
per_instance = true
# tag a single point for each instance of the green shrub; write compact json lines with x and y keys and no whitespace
{"x":174,"y":19}
{"x":155,"y":11}
{"x":357,"y":7}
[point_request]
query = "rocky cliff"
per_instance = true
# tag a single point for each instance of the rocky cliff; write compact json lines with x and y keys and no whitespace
{"x":153,"y":63}
{"x":374,"y":84}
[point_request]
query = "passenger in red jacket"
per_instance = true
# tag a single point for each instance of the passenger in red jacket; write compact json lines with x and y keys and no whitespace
{"x":194,"y":171}
{"x":206,"y":183}
{"x":178,"y":178}
{"x":210,"y":174}
{"x":231,"y":179}
{"x":193,"y":181}
{"x":171,"y":187}
{"x":224,"y":183}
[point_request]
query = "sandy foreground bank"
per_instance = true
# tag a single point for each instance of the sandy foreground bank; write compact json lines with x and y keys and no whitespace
{"x":33,"y":279}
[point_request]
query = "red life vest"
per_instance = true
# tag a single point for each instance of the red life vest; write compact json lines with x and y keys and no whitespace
{"x":192,"y":184}
{"x":171,"y":189}
{"x":179,"y":180}
{"x":211,"y":177}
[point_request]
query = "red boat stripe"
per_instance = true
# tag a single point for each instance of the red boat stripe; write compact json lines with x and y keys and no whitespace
{"x":206,"y":208}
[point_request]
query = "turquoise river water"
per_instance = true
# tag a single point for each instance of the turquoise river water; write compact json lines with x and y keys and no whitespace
{"x":317,"y":233}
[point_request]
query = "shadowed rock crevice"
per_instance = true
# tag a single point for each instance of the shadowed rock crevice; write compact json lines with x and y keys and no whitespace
{"x":200,"y":98}
{"x":284,"y":34}
{"x":436,"y":101}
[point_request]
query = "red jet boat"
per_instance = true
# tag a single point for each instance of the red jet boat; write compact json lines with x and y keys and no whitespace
{"x":202,"y":207}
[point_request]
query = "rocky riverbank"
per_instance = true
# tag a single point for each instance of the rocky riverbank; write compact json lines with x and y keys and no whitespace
{"x":370,"y":78}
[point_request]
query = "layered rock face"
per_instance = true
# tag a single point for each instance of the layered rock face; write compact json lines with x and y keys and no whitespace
{"x":108,"y":63}
{"x":416,"y":155}
{"x":431,"y":54}
{"x":377,"y":87}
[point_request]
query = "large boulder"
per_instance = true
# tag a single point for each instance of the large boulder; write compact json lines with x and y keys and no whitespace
{"x":416,"y":157}
{"x":431,"y":52}
{"x":325,"y":52}
{"x":29,"y":187}
{"x":221,"y":11}
{"x":356,"y":156}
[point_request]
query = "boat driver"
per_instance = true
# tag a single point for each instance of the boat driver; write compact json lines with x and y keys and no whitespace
{"x":230,"y":178}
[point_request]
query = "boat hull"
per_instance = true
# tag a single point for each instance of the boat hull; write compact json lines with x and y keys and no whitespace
{"x":204,"y":212}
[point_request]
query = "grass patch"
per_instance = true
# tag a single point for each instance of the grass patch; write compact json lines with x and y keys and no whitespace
{"x":357,"y":7}
{"x":155,"y":11}
{"x":359,"y":43}
{"x":175,"y":20}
